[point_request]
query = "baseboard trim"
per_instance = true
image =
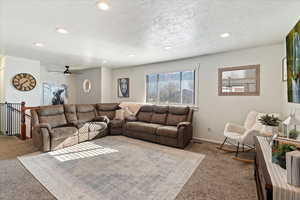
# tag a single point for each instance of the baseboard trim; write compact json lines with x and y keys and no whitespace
{"x":201,"y":139}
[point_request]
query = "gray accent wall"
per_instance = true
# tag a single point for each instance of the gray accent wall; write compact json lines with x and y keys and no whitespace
{"x":94,"y":96}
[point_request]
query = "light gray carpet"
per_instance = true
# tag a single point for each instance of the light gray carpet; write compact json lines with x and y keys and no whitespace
{"x":118,"y":168}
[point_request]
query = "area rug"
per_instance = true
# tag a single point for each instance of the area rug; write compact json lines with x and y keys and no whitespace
{"x":114,"y":168}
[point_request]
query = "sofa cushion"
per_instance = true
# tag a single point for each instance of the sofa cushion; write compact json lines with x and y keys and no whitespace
{"x":64,"y":132}
{"x":178,"y":110}
{"x":92,"y":127}
{"x":167,"y":131}
{"x":158,"y":118}
{"x":85,"y":108}
{"x":53,"y":115}
{"x":70,"y":112}
{"x":142,"y":127}
{"x":173,"y":120}
{"x":85,"y":112}
{"x":144,"y":116}
{"x":115,"y":123}
{"x":146,"y":108}
{"x":110,"y":114}
{"x":160,"y":109}
{"x":107,"y":106}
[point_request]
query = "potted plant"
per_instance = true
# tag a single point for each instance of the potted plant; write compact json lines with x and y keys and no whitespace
{"x":271,"y":124}
{"x":279,"y":151}
{"x":293,"y":134}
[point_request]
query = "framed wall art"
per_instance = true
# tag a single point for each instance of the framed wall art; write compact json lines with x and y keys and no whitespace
{"x":123,"y":88}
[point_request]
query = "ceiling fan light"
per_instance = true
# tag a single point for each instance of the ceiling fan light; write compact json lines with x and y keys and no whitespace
{"x":67,"y":71}
{"x":103,"y":5}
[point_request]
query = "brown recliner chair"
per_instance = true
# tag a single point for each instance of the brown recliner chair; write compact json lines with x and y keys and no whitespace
{"x":168,"y":125}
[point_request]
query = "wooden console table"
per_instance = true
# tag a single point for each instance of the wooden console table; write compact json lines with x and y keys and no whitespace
{"x":271,"y":179}
{"x":262,"y":177}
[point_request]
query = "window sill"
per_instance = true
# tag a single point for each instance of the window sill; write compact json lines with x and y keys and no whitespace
{"x":194,"y":107}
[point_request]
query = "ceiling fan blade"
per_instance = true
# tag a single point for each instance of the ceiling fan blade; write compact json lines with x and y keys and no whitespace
{"x":55,"y":71}
{"x":75,"y":72}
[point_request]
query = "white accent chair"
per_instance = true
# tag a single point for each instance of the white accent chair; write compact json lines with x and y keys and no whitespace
{"x":242,"y":136}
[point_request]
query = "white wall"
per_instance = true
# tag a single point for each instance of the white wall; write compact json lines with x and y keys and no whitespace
{"x":106,"y":85}
{"x":58,"y":78}
{"x":1,"y":81}
{"x":214,"y":111}
{"x":13,"y":66}
{"x":94,"y":96}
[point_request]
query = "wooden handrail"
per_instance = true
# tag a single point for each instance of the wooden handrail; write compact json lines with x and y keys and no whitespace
{"x":23,"y":121}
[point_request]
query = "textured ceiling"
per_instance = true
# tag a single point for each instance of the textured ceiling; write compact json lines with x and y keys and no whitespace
{"x":140,"y":27}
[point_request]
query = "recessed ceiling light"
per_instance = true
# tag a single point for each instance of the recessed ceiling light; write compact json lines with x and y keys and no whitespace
{"x":167,"y":47}
{"x":224,"y":35}
{"x":62,"y":30}
{"x":104,"y":61}
{"x":38,"y":44}
{"x":103,"y":5}
{"x":131,"y":55}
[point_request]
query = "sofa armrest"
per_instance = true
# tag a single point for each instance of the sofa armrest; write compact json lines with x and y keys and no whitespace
{"x":41,"y":136}
{"x":44,"y":125}
{"x":185,"y":133}
{"x":102,"y":119}
{"x":131,"y":119}
{"x":77,"y":124}
{"x":183,"y":124}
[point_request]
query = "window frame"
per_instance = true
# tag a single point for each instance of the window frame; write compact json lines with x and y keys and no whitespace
{"x":157,"y":89}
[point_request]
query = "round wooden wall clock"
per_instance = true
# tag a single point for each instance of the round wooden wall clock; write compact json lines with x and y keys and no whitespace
{"x":24,"y":82}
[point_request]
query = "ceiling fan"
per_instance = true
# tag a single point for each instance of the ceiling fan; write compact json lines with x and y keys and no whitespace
{"x":66,"y":72}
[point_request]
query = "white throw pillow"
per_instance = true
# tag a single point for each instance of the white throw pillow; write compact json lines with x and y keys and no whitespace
{"x":127,"y":113}
{"x":120,"y":114}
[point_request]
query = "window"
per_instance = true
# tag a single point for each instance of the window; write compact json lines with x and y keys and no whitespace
{"x":171,"y":88}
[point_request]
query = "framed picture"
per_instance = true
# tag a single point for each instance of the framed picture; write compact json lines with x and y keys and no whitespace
{"x":55,"y":94}
{"x":123,"y":87}
{"x":284,"y":69}
{"x":239,"y":81}
{"x":293,"y":64}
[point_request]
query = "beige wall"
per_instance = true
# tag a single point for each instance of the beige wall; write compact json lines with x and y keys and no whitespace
{"x":213,"y":110}
{"x":106,"y":85}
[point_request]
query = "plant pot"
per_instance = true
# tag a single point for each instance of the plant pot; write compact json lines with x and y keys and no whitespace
{"x":270,"y":130}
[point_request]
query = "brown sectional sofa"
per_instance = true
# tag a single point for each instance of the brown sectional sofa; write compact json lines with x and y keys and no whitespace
{"x":60,"y":126}
{"x":169,"y":125}
{"x":56,"y":127}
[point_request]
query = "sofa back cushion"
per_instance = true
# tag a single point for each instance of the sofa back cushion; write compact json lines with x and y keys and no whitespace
{"x":176,"y":115}
{"x":107,"y":109}
{"x":85,"y":112}
{"x":70,"y":112}
{"x":53,"y":115}
{"x":145,"y":113}
{"x":159,"y":115}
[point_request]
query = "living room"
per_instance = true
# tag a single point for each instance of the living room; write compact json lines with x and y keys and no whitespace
{"x":146,"y":78}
